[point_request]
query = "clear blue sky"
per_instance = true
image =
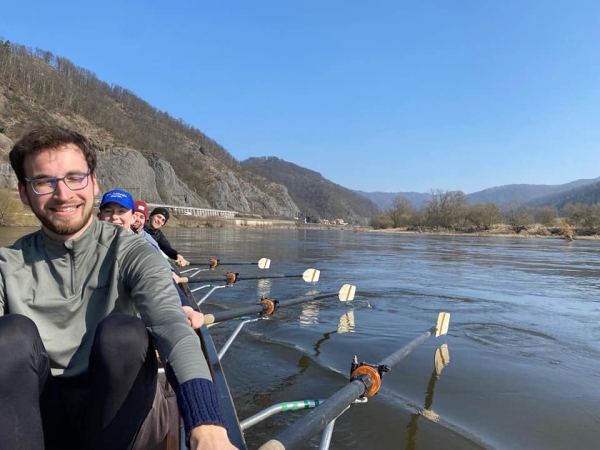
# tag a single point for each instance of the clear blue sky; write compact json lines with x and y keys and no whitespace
{"x":379,"y":96}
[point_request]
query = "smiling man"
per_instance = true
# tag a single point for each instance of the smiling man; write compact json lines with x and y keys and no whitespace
{"x":158,"y":218}
{"x":78,"y":366}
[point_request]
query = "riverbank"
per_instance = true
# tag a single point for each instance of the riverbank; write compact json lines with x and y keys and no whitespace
{"x":499,"y":230}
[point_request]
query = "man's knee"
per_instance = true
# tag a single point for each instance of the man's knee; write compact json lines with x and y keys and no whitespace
{"x":21,"y":350}
{"x":19,"y":333}
{"x":119,"y":334}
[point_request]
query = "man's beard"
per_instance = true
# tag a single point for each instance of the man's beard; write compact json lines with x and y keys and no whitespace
{"x":67,"y":228}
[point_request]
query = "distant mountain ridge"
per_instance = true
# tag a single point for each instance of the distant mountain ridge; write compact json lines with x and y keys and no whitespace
{"x":587,"y":194}
{"x":578,"y":191}
{"x":317,"y":197}
{"x":384,"y":199}
{"x":525,"y":192}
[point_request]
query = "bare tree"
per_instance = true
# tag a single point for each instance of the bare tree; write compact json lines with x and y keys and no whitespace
{"x":483,"y":215}
{"x":381,"y":222}
{"x":580,"y":215}
{"x":445,"y":209}
{"x":517,"y":215}
{"x":402,"y":212}
{"x":545,"y":215}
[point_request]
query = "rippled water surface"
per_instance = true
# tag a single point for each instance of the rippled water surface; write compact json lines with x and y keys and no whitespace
{"x":523,"y":339}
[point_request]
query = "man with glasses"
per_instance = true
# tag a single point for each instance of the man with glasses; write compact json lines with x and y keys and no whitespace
{"x":78,"y":365}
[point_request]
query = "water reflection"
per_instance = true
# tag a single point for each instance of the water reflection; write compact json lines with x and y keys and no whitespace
{"x":264,"y":286}
{"x":346,"y":323}
{"x":309,"y":315}
{"x":441,"y":360}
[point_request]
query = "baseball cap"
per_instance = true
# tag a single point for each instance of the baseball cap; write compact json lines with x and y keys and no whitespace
{"x":123,"y":198}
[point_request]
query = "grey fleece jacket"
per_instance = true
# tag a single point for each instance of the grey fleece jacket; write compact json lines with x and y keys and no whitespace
{"x":67,"y":288}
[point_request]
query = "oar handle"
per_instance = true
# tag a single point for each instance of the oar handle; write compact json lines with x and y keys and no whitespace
{"x":233,"y":314}
{"x":212,"y":262}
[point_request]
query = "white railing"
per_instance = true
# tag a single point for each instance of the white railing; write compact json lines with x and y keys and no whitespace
{"x":195,"y":212}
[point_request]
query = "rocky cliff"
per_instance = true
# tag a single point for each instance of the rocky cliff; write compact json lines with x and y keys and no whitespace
{"x":154,"y":181}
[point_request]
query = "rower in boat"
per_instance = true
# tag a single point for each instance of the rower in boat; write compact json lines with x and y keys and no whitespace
{"x":78,"y":365}
{"x":158,"y":218}
{"x":117,"y":208}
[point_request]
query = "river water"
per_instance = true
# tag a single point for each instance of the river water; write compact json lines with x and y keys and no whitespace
{"x":524,"y":356}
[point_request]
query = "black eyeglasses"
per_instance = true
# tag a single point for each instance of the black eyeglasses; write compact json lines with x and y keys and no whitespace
{"x":75,"y":182}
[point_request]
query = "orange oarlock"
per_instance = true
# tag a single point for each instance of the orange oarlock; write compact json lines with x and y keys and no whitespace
{"x":373,"y":374}
{"x":231,"y":277}
{"x":213,"y":263}
{"x":270,"y":304}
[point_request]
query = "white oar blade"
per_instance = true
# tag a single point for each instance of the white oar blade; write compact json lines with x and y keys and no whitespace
{"x":264,"y":263}
{"x":442,"y":324}
{"x":441,"y":358}
{"x":347,"y":293}
{"x":311,"y":275}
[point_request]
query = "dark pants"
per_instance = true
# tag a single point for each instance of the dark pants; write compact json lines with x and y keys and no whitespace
{"x":102,"y":409}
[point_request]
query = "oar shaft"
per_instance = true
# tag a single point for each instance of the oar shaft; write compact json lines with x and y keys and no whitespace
{"x":257,"y":309}
{"x":225,"y":278}
{"x":304,"y":299}
{"x":208,"y":262}
{"x":317,"y":419}
{"x":407,"y":349}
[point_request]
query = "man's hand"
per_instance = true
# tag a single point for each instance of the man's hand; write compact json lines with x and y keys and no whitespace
{"x":210,"y":437}
{"x":175,"y":277}
{"x":181,"y":261}
{"x":195,"y":318}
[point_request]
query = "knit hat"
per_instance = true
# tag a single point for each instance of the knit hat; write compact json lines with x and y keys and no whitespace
{"x":140,"y":206}
{"x":162,"y":211}
{"x":118,"y":196}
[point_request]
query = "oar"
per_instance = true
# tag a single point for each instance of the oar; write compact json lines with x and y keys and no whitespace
{"x":365,"y":382}
{"x":266,"y":307}
{"x":309,"y":275}
{"x":263,"y":263}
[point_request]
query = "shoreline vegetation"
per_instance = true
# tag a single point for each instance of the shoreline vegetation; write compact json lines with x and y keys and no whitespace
{"x":14,"y":213}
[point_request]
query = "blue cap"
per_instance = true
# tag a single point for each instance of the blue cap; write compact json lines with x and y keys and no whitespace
{"x":123,"y":198}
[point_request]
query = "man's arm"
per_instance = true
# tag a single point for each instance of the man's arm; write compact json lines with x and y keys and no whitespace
{"x":154,"y":294}
{"x":1,"y":296}
{"x":165,"y":245}
{"x":3,"y":306}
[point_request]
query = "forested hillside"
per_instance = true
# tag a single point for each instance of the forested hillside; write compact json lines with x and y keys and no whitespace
{"x":588,"y":195}
{"x":316,"y":197}
{"x":39,"y":87}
